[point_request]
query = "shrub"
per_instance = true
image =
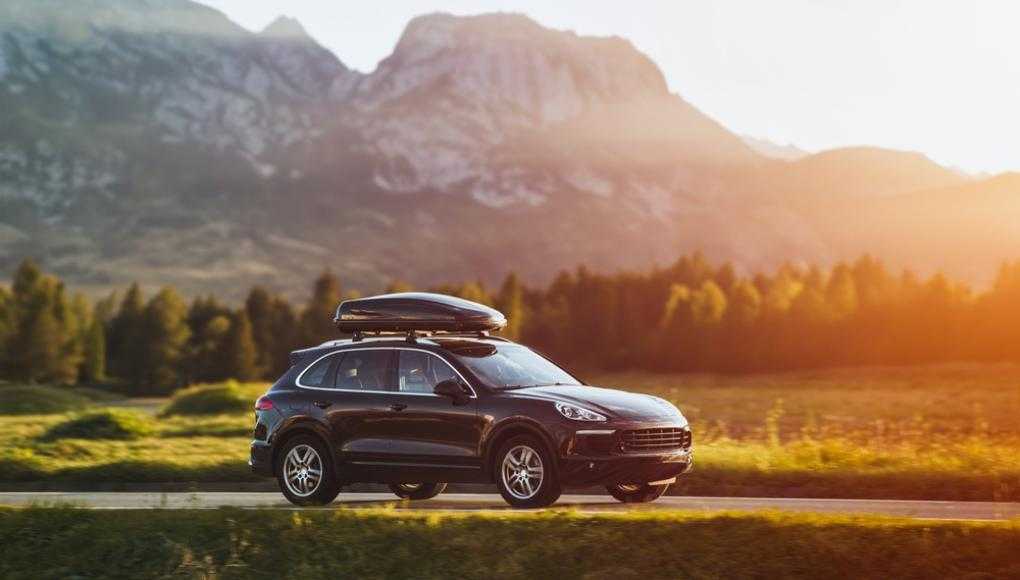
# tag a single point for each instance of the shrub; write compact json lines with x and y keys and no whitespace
{"x":39,"y":400}
{"x":104,"y":424}
{"x":217,"y":399}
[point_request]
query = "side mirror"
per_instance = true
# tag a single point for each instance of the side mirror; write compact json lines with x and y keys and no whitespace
{"x":453,"y":389}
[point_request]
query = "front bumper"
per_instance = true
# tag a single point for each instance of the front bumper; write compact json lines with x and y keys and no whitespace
{"x":595,"y":457}
{"x":579,"y":471}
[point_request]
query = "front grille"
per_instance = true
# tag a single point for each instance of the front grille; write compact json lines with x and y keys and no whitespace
{"x":656,"y":439}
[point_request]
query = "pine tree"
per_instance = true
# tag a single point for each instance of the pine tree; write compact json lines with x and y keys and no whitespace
{"x":165,"y":334}
{"x":239,"y":351}
{"x":93,"y":368}
{"x":70,"y":332}
{"x":286,"y":334}
{"x":125,"y":336}
{"x":841,"y":292}
{"x":511,"y":303}
{"x":204,"y":361}
{"x":284,"y":329}
{"x":7,"y":325}
{"x":317,"y":319}
{"x":38,"y":347}
{"x":259,"y":309}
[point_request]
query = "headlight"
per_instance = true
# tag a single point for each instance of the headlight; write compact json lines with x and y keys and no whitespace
{"x":578,"y":413}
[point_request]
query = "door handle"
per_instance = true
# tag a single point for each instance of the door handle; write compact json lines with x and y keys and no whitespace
{"x":323,"y":404}
{"x":397,"y":407}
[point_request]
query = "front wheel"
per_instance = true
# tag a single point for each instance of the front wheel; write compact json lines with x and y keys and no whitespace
{"x":636,"y":492}
{"x":526,"y":474}
{"x":417,"y":490}
{"x":305,"y":472}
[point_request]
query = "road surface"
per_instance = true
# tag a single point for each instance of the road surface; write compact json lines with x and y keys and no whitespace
{"x":949,"y":510}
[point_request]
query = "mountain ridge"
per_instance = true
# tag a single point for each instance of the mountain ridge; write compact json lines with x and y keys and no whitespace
{"x":204,"y":155}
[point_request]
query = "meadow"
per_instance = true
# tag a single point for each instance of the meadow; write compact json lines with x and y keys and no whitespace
{"x":342,"y":543}
{"x":941,"y":432}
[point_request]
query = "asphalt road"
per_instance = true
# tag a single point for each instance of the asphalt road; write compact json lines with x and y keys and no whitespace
{"x":949,"y":510}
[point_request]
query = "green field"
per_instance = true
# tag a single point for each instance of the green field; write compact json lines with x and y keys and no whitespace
{"x":64,"y":543}
{"x":946,"y":432}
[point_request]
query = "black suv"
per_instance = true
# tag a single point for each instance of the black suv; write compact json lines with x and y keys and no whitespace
{"x":444,"y":402}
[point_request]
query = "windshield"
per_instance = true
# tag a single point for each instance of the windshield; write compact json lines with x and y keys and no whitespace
{"x":512,"y":366}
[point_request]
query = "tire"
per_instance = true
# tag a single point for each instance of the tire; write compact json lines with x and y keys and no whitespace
{"x":526,"y":488}
{"x":417,"y":490}
{"x":304,"y":488}
{"x":637,"y":492}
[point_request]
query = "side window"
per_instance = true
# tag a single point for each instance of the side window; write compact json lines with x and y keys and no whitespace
{"x":420,"y":372}
{"x":320,"y":374}
{"x":364,"y":370}
{"x":441,"y":371}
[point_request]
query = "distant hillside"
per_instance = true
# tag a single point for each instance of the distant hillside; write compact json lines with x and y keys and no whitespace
{"x":156,"y":140}
{"x":966,"y":230}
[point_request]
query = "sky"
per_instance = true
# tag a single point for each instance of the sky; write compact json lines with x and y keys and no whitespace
{"x":939,"y":77}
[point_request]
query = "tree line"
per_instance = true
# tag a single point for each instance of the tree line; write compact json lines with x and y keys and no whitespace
{"x":690,"y":316}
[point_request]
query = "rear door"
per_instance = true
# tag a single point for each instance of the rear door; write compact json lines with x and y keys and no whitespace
{"x":348,"y":392}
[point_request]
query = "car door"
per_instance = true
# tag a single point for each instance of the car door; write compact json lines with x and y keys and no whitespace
{"x":348,"y":393}
{"x":430,"y":437}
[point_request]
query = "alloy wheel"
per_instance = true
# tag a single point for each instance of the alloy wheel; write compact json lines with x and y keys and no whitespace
{"x":522,"y":472}
{"x":302,"y":470}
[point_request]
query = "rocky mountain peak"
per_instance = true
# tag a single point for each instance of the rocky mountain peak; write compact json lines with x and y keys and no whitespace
{"x":76,"y":20}
{"x":509,"y":60}
{"x":285,"y":28}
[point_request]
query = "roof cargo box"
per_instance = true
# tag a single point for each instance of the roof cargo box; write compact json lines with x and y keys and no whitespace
{"x":411,"y":311}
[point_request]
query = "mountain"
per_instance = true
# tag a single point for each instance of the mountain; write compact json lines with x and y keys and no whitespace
{"x":155,"y":140}
{"x":858,"y":171}
{"x":788,"y":152}
{"x":966,"y":229}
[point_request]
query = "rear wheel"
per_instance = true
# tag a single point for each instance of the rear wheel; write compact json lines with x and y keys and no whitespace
{"x":526,"y":473}
{"x":305,"y":472}
{"x":417,"y":490}
{"x":636,"y":492}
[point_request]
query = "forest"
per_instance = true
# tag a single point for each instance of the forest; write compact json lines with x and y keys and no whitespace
{"x":693,"y":316}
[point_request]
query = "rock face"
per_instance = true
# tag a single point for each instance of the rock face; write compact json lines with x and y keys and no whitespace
{"x":156,"y":140}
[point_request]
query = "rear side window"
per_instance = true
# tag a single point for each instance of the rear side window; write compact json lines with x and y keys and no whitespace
{"x":321,"y":373}
{"x":365,"y":370}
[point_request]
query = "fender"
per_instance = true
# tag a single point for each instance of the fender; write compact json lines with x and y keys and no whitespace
{"x":302,"y":423}
{"x":528,"y":424}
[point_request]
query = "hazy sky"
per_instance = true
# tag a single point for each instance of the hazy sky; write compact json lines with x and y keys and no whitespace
{"x":941,"y":77}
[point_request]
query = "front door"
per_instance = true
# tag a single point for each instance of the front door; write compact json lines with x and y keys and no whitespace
{"x":428,"y":431}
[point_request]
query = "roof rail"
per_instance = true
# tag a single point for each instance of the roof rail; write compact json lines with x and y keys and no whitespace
{"x":414,"y":335}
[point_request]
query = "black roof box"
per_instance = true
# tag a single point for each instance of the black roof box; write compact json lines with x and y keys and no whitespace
{"x":409,"y":311}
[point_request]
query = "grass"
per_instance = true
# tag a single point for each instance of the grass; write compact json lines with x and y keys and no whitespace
{"x":102,"y":424}
{"x":946,"y":432}
{"x":180,"y":449}
{"x":230,"y":543}
{"x":895,"y":403}
{"x":216,"y":399}
{"x":39,"y":399}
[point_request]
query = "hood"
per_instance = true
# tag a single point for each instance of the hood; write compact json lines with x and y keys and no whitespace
{"x":610,"y":402}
